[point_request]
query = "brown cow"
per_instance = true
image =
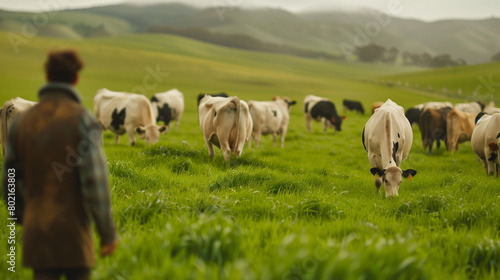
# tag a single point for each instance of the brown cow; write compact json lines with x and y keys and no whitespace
{"x":432,"y":126}
{"x":459,"y":128}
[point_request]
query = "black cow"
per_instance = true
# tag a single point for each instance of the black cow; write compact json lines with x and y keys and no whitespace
{"x":413,"y":115}
{"x":352,"y":105}
{"x":321,"y":109}
{"x":220,"y":94}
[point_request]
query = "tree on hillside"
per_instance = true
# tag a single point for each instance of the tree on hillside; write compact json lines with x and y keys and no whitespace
{"x":391,"y":55}
{"x":371,"y":53}
{"x":496,"y":57}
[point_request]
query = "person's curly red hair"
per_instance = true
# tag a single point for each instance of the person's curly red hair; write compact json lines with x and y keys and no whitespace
{"x":63,"y":66}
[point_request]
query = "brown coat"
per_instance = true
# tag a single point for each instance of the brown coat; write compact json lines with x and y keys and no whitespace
{"x":57,"y":231}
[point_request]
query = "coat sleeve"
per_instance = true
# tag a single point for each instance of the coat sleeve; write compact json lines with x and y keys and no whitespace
{"x":94,"y":181}
{"x":12,"y":178}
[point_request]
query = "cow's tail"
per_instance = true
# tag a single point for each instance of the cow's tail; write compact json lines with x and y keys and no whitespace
{"x":3,"y":123}
{"x":237,"y":125}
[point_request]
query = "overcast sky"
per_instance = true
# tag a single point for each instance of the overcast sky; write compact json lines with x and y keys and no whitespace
{"x":428,"y":10}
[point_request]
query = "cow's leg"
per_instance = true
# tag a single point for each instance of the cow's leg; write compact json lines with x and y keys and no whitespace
{"x":250,"y":141}
{"x":211,"y":152}
{"x":257,"y":138}
{"x":283,"y":134}
{"x":131,"y":137}
{"x":226,"y":151}
{"x":117,"y":138}
{"x":308,"y":123}
{"x":325,"y":125}
{"x":274,"y":139}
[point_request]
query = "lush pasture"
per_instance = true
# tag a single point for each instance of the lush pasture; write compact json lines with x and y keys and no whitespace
{"x":308,"y":211}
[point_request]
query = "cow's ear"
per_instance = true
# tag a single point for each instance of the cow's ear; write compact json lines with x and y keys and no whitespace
{"x":140,"y":131}
{"x":409,"y":173}
{"x":292,"y":103}
{"x":162,"y":129}
{"x":377,"y":171}
{"x":344,"y":117}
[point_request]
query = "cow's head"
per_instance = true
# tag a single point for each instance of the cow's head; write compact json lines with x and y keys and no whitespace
{"x":336,"y":121}
{"x":391,"y":178}
{"x":150,"y":132}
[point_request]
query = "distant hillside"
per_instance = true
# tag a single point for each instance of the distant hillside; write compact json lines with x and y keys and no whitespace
{"x":475,"y":41}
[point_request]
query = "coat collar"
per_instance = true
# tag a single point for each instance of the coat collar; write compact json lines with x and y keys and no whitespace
{"x":65,"y":88}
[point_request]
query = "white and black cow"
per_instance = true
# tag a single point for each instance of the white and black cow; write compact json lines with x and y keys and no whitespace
{"x":168,"y":106}
{"x":225,"y":123}
{"x":475,"y":107}
{"x":387,"y":137}
{"x":9,"y":111}
{"x":485,"y":142}
{"x":129,"y":113}
{"x":270,"y":117}
{"x":353,"y":105}
{"x":321,"y":109}
{"x":201,"y":95}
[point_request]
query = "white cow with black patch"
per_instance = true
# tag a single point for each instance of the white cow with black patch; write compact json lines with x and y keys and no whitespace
{"x":129,"y":113}
{"x":387,"y":137}
{"x":485,"y":141}
{"x":168,"y":106}
{"x":270,"y":117}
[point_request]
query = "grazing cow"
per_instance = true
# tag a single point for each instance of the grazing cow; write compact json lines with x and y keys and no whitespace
{"x":436,"y":105}
{"x":472,"y":107}
{"x":10,"y":110}
{"x":485,"y":141}
{"x":168,"y":106}
{"x":413,"y":115}
{"x":433,"y":127}
{"x":376,"y":105}
{"x":352,"y":105}
{"x":387,"y":137}
{"x":129,"y":113}
{"x":225,"y":123}
{"x":321,"y":109}
{"x":459,"y":128}
{"x":270,"y":117}
{"x":220,"y":94}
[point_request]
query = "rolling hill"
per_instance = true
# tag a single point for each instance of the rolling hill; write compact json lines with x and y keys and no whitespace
{"x":475,"y":41}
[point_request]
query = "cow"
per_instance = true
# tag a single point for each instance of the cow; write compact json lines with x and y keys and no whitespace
{"x":387,"y":137}
{"x":475,"y":107}
{"x":321,"y":109}
{"x":225,"y":123}
{"x":413,"y":115}
{"x":9,"y":111}
{"x":270,"y":117}
{"x":129,"y":113}
{"x":376,"y":105}
{"x":436,"y":105}
{"x":459,"y":128}
{"x":485,"y":141}
{"x":201,"y":95}
{"x":432,"y":126}
{"x":168,"y":106}
{"x":352,"y":105}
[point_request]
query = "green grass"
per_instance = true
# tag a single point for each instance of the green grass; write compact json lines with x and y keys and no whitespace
{"x":308,"y":211}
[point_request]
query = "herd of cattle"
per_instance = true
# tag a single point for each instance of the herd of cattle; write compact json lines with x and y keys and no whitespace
{"x":229,"y":122}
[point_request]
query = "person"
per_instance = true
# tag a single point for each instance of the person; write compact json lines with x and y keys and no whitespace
{"x":55,"y":165}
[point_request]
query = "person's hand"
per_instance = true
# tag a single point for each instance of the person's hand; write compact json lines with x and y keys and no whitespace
{"x":108,"y":249}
